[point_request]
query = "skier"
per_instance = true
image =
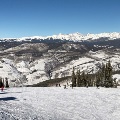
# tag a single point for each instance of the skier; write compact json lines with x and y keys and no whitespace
{"x":72,"y":86}
{"x":64,"y":86}
{"x":2,"y":86}
{"x":97,"y":85}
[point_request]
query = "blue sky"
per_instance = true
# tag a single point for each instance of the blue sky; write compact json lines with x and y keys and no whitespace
{"x":20,"y":18}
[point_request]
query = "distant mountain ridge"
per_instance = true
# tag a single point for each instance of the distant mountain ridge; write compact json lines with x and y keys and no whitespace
{"x":76,"y":37}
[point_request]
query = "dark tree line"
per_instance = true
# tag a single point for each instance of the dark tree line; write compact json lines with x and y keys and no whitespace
{"x":102,"y":78}
{"x":80,"y":79}
{"x":4,"y":83}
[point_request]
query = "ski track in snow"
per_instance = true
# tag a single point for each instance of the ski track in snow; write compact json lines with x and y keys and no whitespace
{"x":17,"y":112}
{"x":56,"y":103}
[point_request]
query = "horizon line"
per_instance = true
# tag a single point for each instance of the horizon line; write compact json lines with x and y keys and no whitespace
{"x":55,"y":34}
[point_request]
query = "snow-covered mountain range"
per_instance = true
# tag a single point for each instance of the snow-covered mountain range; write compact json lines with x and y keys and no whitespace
{"x":72,"y":37}
{"x":31,"y":60}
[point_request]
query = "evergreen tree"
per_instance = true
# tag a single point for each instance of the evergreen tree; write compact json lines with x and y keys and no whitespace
{"x":98,"y":79}
{"x":73,"y":78}
{"x":102,"y":74}
{"x":87,"y":80}
{"x":6,"y":80}
{"x":91,"y":78}
{"x":108,"y":75}
{"x":83,"y":80}
{"x":78,"y":78}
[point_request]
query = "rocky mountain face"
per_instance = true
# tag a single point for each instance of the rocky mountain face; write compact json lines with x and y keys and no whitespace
{"x":32,"y":60}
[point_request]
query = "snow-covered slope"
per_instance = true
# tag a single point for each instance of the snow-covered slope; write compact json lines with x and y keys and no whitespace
{"x":27,"y":47}
{"x":60,"y":104}
{"x":73,"y":36}
{"x":38,"y":73}
{"x":8,"y":70}
{"x":90,"y":63}
{"x":44,"y":68}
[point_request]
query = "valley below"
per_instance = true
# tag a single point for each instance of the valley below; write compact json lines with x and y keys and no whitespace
{"x":29,"y":61}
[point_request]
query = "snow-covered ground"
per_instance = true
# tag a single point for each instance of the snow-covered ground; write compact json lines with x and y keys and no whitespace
{"x":56,"y":103}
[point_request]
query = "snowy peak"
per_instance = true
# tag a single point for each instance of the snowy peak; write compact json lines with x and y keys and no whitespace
{"x":72,"y":37}
{"x":77,"y":36}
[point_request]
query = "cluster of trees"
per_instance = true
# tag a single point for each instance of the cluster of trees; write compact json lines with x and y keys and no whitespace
{"x":81,"y":79}
{"x":4,"y":83}
{"x":102,"y":78}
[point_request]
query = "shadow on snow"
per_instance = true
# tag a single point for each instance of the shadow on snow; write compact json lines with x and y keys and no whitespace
{"x":3,"y":93}
{"x":7,"y":98}
{"x":9,"y":92}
